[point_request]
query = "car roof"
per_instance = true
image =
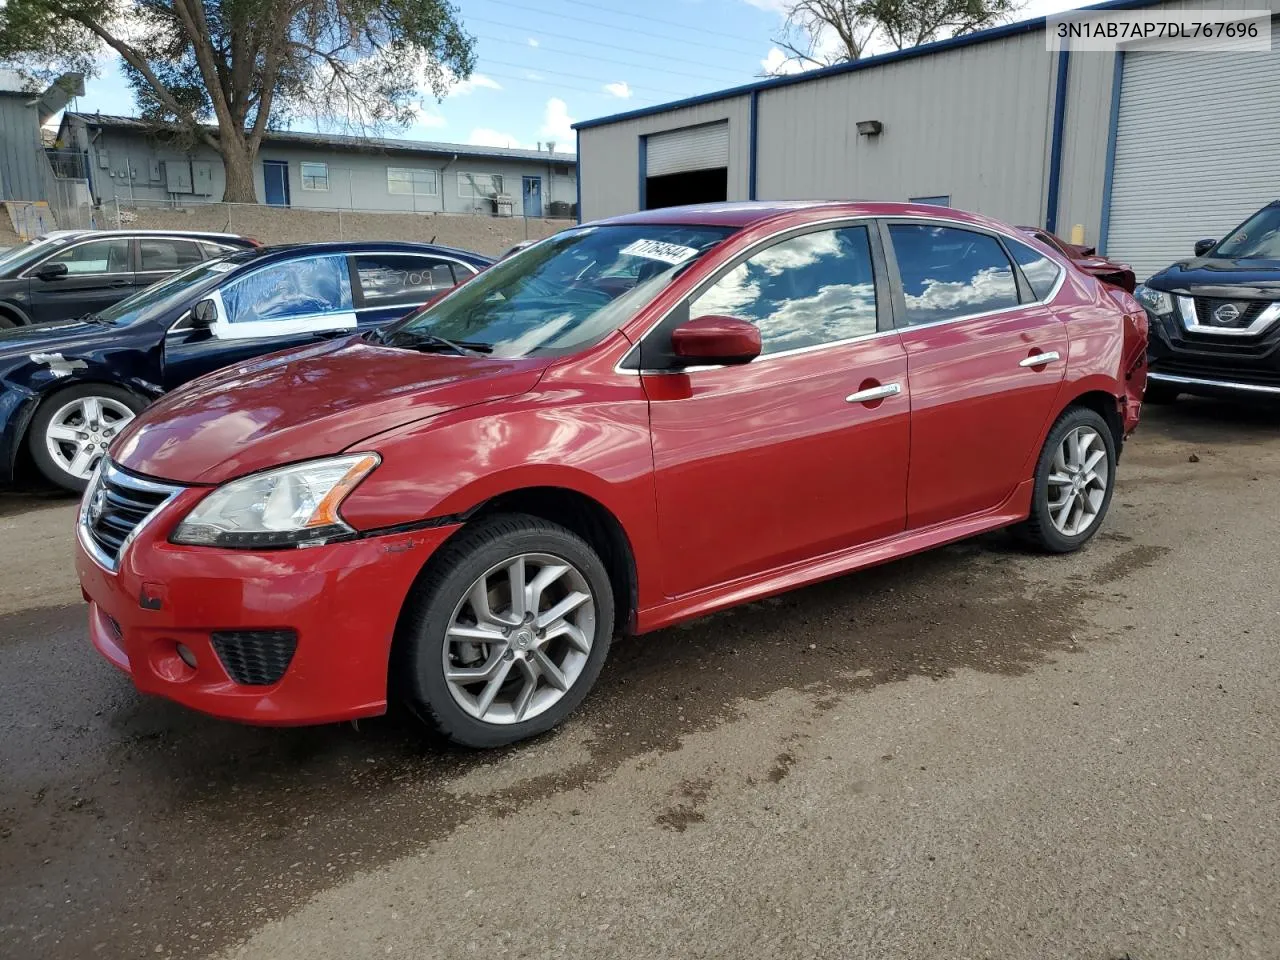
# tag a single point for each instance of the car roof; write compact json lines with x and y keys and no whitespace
{"x":128,"y":231}
{"x":748,"y":213}
{"x":284,"y":251}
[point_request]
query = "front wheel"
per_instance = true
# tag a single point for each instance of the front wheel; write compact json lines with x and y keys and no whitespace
{"x":72,"y":429}
{"x":1075,"y":477}
{"x":506,"y":634}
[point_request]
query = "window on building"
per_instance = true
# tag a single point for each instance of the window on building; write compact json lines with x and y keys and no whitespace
{"x":949,"y":273}
{"x":943,"y":200}
{"x":315,"y":176}
{"x":387,"y":279}
{"x":164,"y":254}
{"x":476,"y":185}
{"x":413,"y":181}
{"x":809,"y":290}
{"x":1040,"y":271}
{"x":97,"y":256}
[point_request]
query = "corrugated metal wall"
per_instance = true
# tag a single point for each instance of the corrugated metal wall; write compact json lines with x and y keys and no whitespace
{"x":972,"y":123}
{"x":611,"y":154}
{"x":21,"y":152}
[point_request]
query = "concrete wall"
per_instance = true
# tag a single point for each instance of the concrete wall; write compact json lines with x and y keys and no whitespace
{"x":611,"y":154}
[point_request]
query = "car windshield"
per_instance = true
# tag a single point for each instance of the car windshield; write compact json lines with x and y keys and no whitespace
{"x":1258,"y":238}
{"x":159,"y":297}
{"x":562,"y":293}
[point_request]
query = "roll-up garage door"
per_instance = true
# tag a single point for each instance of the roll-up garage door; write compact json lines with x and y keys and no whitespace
{"x":703,"y":147}
{"x":1197,"y":151}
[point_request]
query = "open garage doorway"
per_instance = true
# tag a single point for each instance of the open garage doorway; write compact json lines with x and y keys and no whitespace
{"x":690,"y":165}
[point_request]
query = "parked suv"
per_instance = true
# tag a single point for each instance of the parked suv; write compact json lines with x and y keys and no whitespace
{"x":68,"y":273}
{"x":1215,"y":318}
{"x":629,"y":424}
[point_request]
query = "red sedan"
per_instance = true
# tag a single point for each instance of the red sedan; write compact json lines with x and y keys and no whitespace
{"x":1088,"y":259}
{"x":629,"y":424}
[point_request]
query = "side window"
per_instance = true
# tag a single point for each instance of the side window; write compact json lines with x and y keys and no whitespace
{"x":289,"y":291}
{"x":389,"y":279}
{"x":812,"y":289}
{"x":163,"y":254}
{"x":948,"y":272}
{"x":96,"y":256}
{"x":1041,"y":272}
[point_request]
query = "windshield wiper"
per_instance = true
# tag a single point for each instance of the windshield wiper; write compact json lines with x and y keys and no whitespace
{"x":432,"y":341}
{"x":95,"y":318}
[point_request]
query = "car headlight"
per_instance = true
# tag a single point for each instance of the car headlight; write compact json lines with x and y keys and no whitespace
{"x":292,"y":506}
{"x":1157,"y":301}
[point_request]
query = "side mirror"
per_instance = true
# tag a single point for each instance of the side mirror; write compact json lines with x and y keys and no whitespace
{"x":204,"y":314}
{"x":718,"y":340}
{"x":1204,"y":246}
{"x":51,"y":271}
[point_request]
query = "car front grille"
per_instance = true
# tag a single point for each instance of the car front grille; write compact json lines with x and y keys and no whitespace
{"x":1246,"y":311}
{"x":255,"y":658}
{"x":115,"y":506}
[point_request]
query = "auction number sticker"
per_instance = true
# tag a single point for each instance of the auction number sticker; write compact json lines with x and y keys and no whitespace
{"x":657,"y":250}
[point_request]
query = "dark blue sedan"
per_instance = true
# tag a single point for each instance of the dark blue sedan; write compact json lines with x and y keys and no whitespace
{"x":67,"y":388}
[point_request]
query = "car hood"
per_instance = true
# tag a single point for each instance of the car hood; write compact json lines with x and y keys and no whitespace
{"x":1211,"y":276}
{"x":305,"y":403}
{"x":70,"y":337}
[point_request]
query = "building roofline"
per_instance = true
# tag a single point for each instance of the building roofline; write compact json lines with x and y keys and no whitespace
{"x":937,"y":46}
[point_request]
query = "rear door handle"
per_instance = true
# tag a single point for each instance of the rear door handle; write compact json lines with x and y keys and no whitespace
{"x":1040,"y":359}
{"x":874,"y":393}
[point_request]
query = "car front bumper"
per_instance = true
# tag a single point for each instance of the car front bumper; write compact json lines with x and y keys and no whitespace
{"x":1211,"y":363}
{"x":341,"y":602}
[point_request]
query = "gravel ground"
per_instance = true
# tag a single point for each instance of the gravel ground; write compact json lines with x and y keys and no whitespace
{"x":973,"y":753}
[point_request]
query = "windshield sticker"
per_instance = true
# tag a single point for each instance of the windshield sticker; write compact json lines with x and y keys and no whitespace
{"x":657,"y":250}
{"x":221,"y":266}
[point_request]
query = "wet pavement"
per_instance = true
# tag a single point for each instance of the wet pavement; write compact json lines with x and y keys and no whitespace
{"x":129,"y":826}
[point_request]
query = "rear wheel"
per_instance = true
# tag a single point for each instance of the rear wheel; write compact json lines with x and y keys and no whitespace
{"x":1075,"y":478}
{"x":507,"y":633}
{"x":72,"y":429}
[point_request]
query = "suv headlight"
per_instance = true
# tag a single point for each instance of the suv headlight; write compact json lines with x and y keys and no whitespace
{"x":1156,"y":301}
{"x":292,"y":506}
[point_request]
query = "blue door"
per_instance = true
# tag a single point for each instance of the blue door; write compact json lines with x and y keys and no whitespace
{"x":533,"y":196}
{"x":275,"y":180}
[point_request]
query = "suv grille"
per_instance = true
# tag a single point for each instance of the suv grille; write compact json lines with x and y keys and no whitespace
{"x":115,"y":506}
{"x":1246,"y":311}
{"x":255,"y":658}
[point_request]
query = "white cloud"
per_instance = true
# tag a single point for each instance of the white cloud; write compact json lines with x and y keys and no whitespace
{"x":422,"y":117}
{"x":620,"y":89}
{"x":776,"y":62}
{"x":557,"y":124}
{"x":484,"y":137}
{"x":475,"y":82}
{"x":533,"y":42}
{"x":535,"y":77}
{"x":779,"y":7}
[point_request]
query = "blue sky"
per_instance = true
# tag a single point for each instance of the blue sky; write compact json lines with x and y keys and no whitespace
{"x":543,"y":64}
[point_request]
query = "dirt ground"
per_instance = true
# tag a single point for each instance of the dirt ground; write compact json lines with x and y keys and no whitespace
{"x":978,"y":752}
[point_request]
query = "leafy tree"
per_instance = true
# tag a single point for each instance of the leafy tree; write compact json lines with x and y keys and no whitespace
{"x":223,"y":72}
{"x":820,"y":33}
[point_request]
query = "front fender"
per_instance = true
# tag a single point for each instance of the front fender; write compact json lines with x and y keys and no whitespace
{"x":17,"y":407}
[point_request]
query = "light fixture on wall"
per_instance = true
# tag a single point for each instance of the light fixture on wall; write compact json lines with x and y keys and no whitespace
{"x":870,"y":128}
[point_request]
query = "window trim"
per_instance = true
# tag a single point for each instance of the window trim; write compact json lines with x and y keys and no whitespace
{"x":896,"y":275}
{"x":302,"y":175}
{"x":435,"y":182}
{"x":462,"y":174}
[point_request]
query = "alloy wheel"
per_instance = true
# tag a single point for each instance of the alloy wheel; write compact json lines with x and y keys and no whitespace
{"x":519,"y":638}
{"x":80,"y":432}
{"x":1078,"y":481}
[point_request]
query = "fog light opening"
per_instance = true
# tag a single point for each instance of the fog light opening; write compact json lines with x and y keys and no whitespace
{"x":187,"y":656}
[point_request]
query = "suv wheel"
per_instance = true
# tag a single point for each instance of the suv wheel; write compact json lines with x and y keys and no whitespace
{"x":507,"y":633}
{"x":1075,"y":477}
{"x":72,"y":429}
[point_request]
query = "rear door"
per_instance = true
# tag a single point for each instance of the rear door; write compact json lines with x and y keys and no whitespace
{"x":98,"y":273}
{"x":390,"y":285}
{"x":280,"y":305}
{"x":801,"y":452}
{"x":160,"y":257}
{"x":986,"y":358}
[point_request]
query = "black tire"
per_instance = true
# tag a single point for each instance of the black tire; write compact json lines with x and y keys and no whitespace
{"x":1038,"y":529}
{"x":1159,"y":393}
{"x":48,"y":467}
{"x":8,"y":321}
{"x":419,"y":663}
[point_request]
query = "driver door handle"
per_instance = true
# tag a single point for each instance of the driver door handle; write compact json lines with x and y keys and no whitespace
{"x":875,"y":393}
{"x":1040,"y":359}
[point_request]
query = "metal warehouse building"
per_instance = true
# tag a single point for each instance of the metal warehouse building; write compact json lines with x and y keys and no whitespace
{"x":1147,"y":151}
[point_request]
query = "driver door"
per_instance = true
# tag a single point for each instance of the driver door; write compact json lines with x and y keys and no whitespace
{"x":801,"y":452}
{"x":271,"y":308}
